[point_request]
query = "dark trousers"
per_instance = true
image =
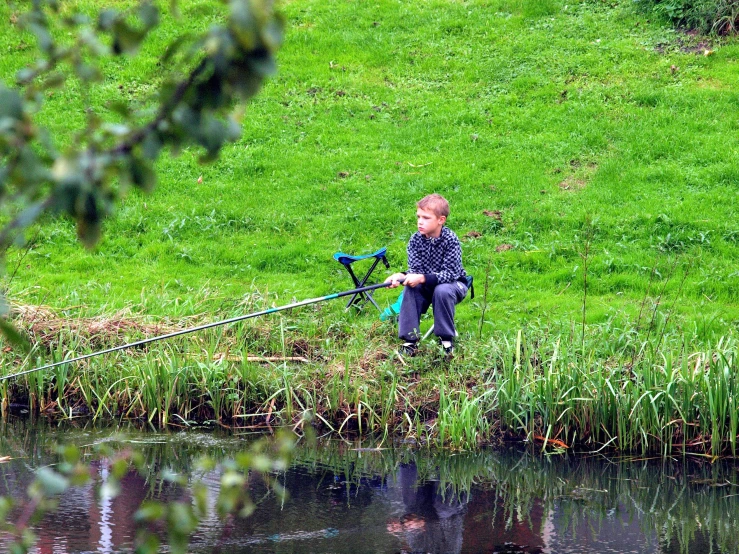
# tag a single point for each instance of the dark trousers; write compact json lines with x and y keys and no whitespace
{"x":416,"y":301}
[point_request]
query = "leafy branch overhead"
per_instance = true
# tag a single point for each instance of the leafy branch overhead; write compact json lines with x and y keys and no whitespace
{"x":204,"y":77}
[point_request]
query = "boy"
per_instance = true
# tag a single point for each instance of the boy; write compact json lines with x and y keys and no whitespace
{"x":435,"y":277}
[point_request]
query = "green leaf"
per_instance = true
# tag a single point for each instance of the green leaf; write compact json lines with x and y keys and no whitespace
{"x":232,"y":479}
{"x":151,"y":147}
{"x":6,"y":504}
{"x":120,"y":107}
{"x":147,"y":543}
{"x":70,"y":454}
{"x":149,"y":15}
{"x":45,"y":42}
{"x":117,"y":129}
{"x":211,"y":136}
{"x":87,"y":72}
{"x":55,"y":79}
{"x":126,"y":39}
{"x":78,"y":19}
{"x":119,"y":468}
{"x":150,"y":511}
{"x":142,"y":175}
{"x":32,"y":170}
{"x":200,"y":499}
{"x":90,"y":39}
{"x":181,"y":520}
{"x":173,"y":48}
{"x":248,"y":508}
{"x":50,"y":483}
{"x":29,"y":215}
{"x":172,"y":476}
{"x":110,"y":489}
{"x":233,"y":130}
{"x":11,"y":104}
{"x":13,"y":336}
{"x":273,"y":34}
{"x":205,"y":464}
{"x":262,"y":463}
{"x":244,"y":22}
{"x":25,"y":76}
{"x":107,"y":18}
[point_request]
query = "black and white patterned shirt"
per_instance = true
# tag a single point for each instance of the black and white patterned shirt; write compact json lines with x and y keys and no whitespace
{"x":439,"y":259}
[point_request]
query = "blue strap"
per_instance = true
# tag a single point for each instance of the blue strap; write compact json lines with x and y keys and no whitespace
{"x":347,"y":259}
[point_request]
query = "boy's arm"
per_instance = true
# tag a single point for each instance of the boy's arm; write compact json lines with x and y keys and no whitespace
{"x":451,"y":265}
{"x":414,"y":259}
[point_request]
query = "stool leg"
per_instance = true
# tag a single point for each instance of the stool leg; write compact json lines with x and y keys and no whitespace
{"x":361,"y":297}
{"x":357,"y":284}
{"x":368,"y":295}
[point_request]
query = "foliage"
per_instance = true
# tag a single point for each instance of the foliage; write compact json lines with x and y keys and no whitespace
{"x":178,"y":518}
{"x":719,"y":16}
{"x":202,"y":75}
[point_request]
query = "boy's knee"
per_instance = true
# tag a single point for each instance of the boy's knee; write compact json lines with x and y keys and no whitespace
{"x":445,"y":291}
{"x":450,"y":292}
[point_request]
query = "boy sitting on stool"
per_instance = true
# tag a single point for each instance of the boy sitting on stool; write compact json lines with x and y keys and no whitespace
{"x":435,"y":276}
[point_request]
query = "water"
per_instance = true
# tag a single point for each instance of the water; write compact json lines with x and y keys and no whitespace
{"x":343,"y":498}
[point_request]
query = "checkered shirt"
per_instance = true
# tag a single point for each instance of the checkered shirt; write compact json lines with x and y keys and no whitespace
{"x":439,"y":259}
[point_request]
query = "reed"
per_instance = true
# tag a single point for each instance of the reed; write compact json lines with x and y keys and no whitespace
{"x":615,"y":386}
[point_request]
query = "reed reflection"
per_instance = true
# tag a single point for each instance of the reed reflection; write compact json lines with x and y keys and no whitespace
{"x":391,"y":499}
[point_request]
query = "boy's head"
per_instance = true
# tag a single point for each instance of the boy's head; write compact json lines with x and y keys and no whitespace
{"x":435,"y":203}
{"x":431,"y":215}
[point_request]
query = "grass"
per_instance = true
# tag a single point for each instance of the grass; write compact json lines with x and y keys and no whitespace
{"x":603,"y":140}
{"x":551,"y":114}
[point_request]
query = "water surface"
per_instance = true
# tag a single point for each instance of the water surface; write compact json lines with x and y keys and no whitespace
{"x":344,"y":497}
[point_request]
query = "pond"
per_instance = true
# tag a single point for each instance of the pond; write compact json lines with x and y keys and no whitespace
{"x":346,"y":497}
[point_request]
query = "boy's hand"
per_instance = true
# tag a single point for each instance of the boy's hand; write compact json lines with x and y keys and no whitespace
{"x":395,"y":279}
{"x":414,"y":279}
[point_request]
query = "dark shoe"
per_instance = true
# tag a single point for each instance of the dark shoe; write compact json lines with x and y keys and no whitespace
{"x":448,"y":347}
{"x":408,"y":349}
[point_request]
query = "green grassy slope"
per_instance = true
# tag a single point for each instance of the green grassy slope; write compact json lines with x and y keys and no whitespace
{"x":549,"y":112}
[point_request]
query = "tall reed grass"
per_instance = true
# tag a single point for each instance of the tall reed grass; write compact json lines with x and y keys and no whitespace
{"x":614,"y":386}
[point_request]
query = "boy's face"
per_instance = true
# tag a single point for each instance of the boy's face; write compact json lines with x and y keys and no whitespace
{"x":429,"y":224}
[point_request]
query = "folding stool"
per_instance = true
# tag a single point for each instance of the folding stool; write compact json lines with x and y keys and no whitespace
{"x":360,"y":298}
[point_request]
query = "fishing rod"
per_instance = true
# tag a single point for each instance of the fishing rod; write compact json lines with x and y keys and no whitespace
{"x":360,"y":290}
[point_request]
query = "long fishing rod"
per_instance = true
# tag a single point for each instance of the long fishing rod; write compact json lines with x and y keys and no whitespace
{"x":359,"y":290}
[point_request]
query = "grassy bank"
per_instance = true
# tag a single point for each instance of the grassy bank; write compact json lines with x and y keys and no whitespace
{"x":615,"y":387}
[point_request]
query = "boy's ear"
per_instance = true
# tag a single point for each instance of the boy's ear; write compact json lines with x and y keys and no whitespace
{"x":442,"y":219}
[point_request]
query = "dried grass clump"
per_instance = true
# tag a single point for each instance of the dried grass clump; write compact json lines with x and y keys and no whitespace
{"x":44,"y":325}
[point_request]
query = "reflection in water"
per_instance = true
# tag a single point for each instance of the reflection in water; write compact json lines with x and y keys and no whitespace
{"x":346,"y":499}
{"x":433,"y":518}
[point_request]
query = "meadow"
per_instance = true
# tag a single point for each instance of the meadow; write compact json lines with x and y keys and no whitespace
{"x":587,"y":151}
